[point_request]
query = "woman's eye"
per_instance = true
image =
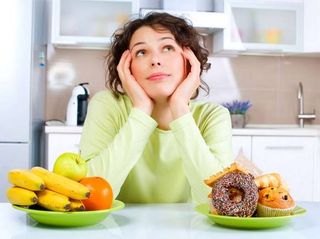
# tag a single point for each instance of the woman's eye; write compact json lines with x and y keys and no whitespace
{"x":140,"y":53}
{"x":168,"y":48}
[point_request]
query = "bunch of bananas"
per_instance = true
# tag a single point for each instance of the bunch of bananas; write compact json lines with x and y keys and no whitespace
{"x":47,"y":189}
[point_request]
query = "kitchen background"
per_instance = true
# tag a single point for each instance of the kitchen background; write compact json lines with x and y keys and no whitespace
{"x":269,"y":82}
{"x":44,"y":56}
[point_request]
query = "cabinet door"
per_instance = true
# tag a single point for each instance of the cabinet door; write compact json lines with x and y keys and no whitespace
{"x":292,"y":157}
{"x":261,"y":26}
{"x":61,"y":143}
{"x":88,"y":23}
{"x":241,"y":143}
{"x":311,"y":26}
{"x":12,"y":156}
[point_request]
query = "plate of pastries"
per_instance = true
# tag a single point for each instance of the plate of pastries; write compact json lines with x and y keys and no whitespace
{"x":239,"y":199}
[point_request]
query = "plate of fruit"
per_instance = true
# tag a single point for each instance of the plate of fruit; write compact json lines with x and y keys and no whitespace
{"x":69,"y":218}
{"x":63,"y":197}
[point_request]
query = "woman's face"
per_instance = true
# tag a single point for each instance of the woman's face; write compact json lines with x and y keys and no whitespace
{"x":157,"y":62}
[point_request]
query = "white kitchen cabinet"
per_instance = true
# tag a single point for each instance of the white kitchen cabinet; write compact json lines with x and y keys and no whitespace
{"x":88,"y":23}
{"x":294,"y":158}
{"x":205,"y":22}
{"x":256,"y":26}
{"x":241,"y":143}
{"x":311,"y":26}
{"x":58,"y":143}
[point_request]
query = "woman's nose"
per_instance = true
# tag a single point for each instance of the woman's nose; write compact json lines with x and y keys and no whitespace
{"x":156,"y":63}
{"x":155,"y":60}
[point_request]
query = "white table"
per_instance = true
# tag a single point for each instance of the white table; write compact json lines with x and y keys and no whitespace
{"x":176,"y":221}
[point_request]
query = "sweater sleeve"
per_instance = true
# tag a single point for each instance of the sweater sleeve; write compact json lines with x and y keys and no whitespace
{"x":205,"y":150}
{"x":112,"y":148}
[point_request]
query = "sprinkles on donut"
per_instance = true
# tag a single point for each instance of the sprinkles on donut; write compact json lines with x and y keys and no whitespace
{"x":234,"y":192}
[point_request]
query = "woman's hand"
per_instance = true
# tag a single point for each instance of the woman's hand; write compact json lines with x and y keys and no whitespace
{"x":135,"y":92}
{"x":179,"y":100}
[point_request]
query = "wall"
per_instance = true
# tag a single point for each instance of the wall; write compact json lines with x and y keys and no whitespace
{"x":66,"y":69}
{"x":270,"y":83}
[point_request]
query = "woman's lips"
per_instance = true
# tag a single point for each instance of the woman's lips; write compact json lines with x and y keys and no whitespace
{"x":157,"y":76}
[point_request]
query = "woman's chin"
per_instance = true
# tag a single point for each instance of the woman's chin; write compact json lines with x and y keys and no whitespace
{"x":160,"y":96}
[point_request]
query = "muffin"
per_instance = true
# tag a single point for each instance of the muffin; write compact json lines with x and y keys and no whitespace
{"x":275,"y":201}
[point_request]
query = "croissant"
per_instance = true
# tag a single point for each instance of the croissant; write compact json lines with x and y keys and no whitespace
{"x":233,"y":167}
{"x":269,"y":180}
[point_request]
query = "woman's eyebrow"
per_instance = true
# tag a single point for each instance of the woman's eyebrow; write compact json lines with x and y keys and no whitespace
{"x":160,"y":39}
{"x":136,"y":44}
{"x":165,"y":38}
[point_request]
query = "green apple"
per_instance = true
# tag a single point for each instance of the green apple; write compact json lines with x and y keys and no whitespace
{"x":71,"y":165}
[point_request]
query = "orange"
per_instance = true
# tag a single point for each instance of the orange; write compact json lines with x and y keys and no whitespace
{"x":101,"y":195}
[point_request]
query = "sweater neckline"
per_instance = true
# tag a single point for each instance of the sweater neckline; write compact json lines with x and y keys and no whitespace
{"x":162,"y":131}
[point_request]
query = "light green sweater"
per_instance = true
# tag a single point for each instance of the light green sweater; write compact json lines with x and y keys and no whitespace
{"x":145,"y":164}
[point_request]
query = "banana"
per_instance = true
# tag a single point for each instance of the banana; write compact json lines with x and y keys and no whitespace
{"x":25,"y":179}
{"x":53,"y":201}
{"x":21,"y":196}
{"x":61,"y":184}
{"x":77,"y":205}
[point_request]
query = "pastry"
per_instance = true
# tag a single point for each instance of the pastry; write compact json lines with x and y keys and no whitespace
{"x":234,"y":192}
{"x":270,"y":180}
{"x":275,"y":201}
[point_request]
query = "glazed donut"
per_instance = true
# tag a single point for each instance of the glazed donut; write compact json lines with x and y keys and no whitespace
{"x":235,"y":194}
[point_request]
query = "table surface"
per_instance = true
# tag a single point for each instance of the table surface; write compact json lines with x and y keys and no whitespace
{"x":177,"y":221}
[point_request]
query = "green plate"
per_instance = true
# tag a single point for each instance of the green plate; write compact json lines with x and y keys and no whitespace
{"x":249,"y":222}
{"x":71,"y":219}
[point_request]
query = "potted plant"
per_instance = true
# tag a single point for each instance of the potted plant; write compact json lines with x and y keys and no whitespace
{"x":238,"y":111}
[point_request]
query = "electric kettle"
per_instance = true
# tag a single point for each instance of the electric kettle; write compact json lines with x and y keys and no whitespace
{"x":77,"y":105}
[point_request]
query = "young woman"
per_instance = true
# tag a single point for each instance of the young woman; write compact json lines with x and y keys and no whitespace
{"x":146,"y":135}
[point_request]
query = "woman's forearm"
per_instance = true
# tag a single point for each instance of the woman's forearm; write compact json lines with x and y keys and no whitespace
{"x":115,"y":160}
{"x":202,"y":156}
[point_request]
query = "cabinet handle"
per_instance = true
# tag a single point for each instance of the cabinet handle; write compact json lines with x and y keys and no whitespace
{"x":284,"y":147}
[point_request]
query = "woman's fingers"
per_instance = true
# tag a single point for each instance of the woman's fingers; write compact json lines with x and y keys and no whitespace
{"x":189,"y":85}
{"x":132,"y":88}
{"x":126,"y":66}
{"x":193,"y":78}
{"x":193,"y":60}
{"x":122,"y":64}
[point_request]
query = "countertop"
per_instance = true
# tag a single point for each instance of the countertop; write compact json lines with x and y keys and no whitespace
{"x":249,"y":130}
{"x":176,"y":221}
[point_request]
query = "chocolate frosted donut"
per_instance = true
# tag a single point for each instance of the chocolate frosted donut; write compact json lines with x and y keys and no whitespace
{"x":235,"y":194}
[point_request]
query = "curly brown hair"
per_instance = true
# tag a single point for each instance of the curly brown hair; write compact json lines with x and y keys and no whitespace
{"x":183,"y":32}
